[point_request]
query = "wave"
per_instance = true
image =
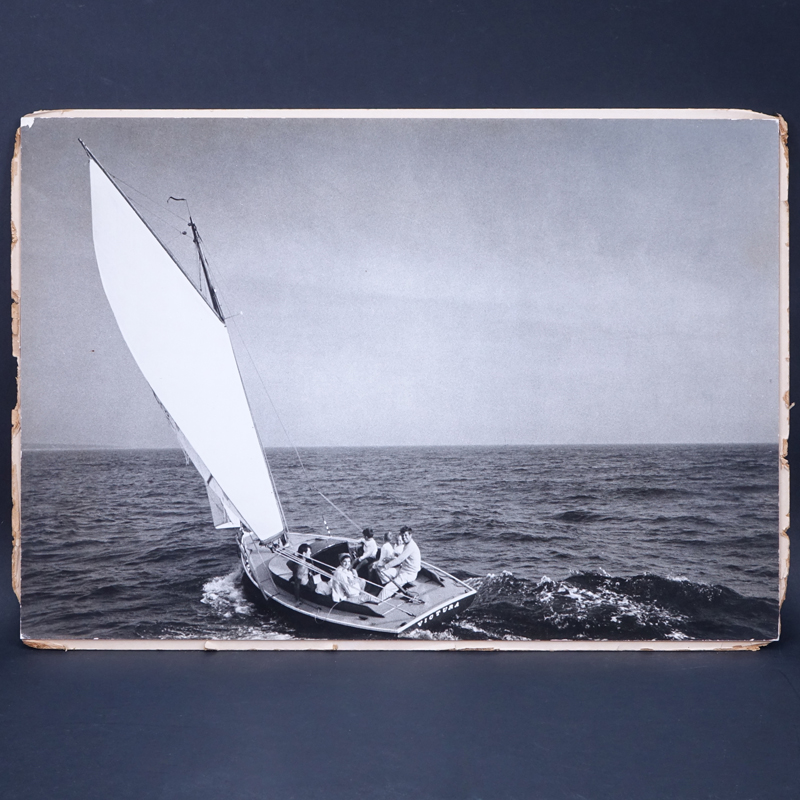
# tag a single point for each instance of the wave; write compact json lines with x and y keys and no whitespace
{"x":589,"y":605}
{"x":656,"y":492}
{"x":226,"y":596}
{"x":691,"y":519}
{"x":584,"y":606}
{"x":579,"y":516}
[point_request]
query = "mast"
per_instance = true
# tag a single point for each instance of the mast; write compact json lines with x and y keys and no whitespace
{"x":204,"y":267}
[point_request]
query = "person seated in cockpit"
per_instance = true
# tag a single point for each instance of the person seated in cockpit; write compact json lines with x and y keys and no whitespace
{"x":300,"y":566}
{"x":346,"y":585}
{"x":403,"y":568}
{"x":367,"y":549}
{"x":387,"y":552}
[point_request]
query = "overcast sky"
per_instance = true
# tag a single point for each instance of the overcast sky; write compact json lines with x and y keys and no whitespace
{"x":405,"y":282}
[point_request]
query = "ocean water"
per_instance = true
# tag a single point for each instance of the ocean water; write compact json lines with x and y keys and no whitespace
{"x":599,"y":542}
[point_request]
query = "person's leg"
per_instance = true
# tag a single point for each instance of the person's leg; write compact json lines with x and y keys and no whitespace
{"x":385,"y":574}
{"x":388,"y":590}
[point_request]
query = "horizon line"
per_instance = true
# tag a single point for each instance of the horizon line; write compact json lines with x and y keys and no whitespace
{"x":88,"y":447}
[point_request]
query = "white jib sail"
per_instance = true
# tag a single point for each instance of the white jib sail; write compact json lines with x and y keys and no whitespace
{"x":184,"y":351}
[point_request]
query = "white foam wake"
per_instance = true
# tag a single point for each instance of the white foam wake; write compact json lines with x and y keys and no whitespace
{"x":225,"y":595}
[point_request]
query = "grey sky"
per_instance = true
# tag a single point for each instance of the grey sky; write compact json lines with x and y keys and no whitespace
{"x":429,"y":281}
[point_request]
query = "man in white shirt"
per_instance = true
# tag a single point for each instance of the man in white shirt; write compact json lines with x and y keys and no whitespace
{"x":403,"y":568}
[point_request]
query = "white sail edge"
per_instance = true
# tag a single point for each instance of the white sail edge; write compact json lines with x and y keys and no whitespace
{"x":184,"y":352}
{"x":223,"y":512}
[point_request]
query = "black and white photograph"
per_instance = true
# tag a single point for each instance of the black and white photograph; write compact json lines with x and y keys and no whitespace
{"x":402,"y":379}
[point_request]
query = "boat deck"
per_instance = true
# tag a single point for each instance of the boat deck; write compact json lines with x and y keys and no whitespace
{"x":433,"y":598}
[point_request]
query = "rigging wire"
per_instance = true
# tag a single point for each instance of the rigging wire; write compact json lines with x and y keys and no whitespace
{"x":155,"y":207}
{"x":149,"y":199}
{"x":288,"y":437}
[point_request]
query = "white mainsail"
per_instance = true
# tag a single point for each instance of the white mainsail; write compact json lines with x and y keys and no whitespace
{"x":183,"y":349}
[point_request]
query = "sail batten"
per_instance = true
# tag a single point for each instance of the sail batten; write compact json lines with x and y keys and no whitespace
{"x":182,"y":347}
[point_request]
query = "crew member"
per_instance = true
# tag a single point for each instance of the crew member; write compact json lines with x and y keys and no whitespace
{"x":346,"y":585}
{"x":403,"y":568}
{"x":301,"y":570}
{"x":367,"y":549}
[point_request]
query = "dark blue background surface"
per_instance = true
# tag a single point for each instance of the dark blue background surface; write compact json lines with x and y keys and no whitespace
{"x":300,"y":725}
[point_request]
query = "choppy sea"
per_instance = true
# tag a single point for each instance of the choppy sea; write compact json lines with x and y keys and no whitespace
{"x":598,"y":542}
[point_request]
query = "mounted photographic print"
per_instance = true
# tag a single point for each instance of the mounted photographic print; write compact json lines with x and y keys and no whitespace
{"x":400,"y":379}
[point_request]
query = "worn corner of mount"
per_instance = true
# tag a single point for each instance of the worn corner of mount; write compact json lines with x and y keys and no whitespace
{"x":45,"y":644}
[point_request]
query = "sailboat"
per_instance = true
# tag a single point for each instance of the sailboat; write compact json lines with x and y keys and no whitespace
{"x":173,"y":324}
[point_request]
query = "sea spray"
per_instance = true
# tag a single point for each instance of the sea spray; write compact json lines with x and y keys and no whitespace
{"x":226,"y":596}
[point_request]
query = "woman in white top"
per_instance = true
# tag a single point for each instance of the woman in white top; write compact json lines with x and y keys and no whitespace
{"x":346,"y":585}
